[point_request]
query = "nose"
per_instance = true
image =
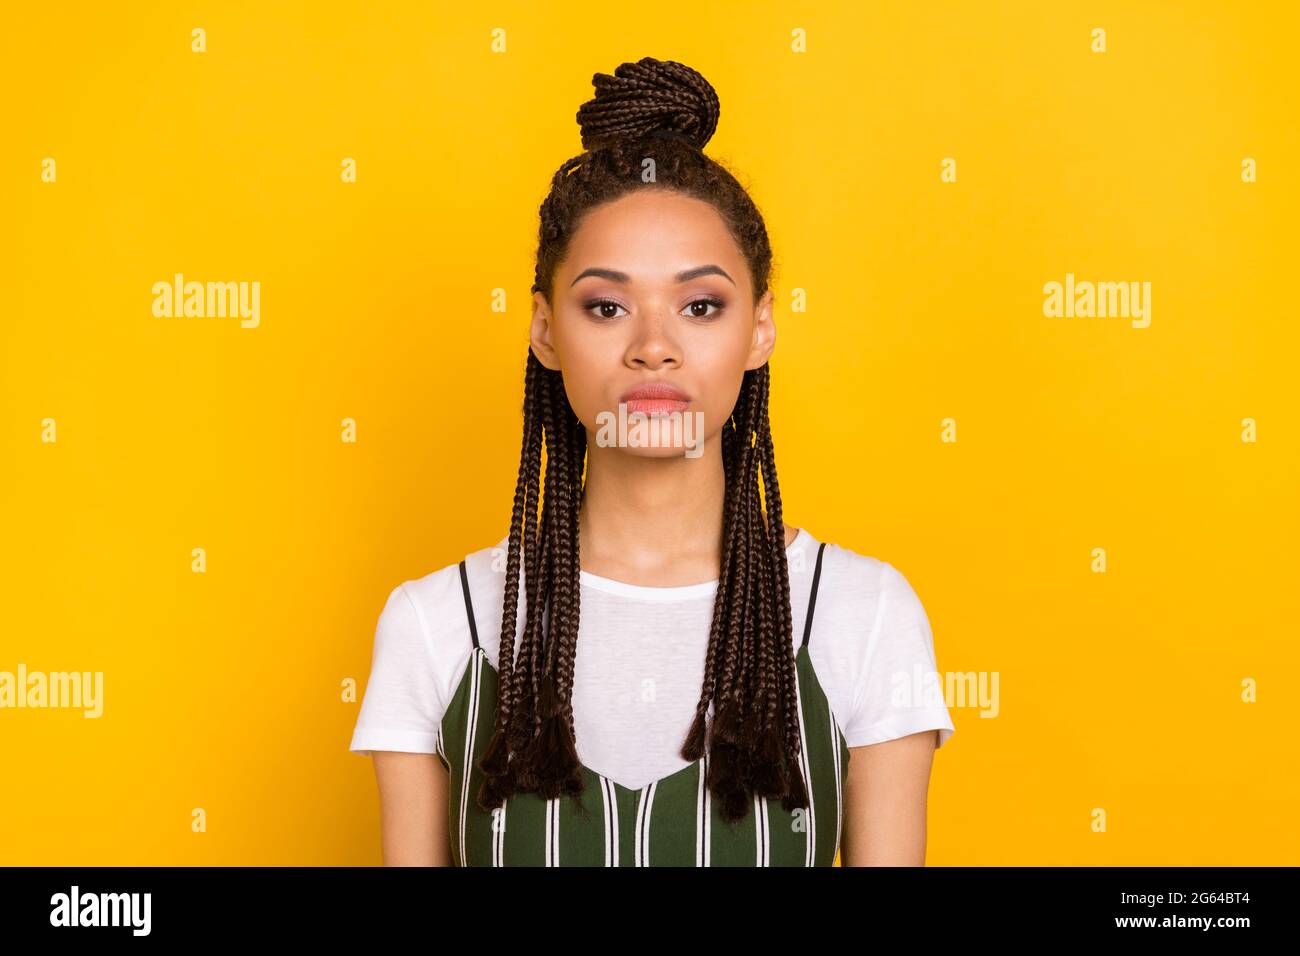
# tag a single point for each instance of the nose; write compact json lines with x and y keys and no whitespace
{"x":654,"y":343}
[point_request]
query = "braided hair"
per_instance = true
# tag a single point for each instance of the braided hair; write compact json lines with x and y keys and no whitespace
{"x":665,"y":111}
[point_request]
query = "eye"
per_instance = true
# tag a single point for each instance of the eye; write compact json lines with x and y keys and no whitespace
{"x":603,"y":304}
{"x":716,"y":303}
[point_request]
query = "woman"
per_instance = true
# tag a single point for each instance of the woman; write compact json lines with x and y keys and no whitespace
{"x":681,"y":718}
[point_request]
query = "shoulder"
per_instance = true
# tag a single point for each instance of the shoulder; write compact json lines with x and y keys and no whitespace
{"x":867,"y":596}
{"x":873,"y":579}
{"x":871,"y":633}
{"x":421,"y":647}
{"x":432,"y":609}
{"x":848,"y":581}
{"x":437,"y":599}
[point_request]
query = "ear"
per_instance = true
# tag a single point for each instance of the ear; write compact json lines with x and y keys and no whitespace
{"x":764,"y":339}
{"x":539,"y":333}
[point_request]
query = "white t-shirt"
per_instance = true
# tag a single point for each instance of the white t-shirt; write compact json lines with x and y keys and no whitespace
{"x":639,"y":665}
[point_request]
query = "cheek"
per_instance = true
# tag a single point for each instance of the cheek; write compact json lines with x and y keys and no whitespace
{"x":720,"y":401}
{"x":587,"y":363}
{"x":718,"y":374}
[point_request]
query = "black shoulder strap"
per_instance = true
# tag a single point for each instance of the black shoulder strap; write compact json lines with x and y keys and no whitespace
{"x":469,"y":605}
{"x":812,"y":597}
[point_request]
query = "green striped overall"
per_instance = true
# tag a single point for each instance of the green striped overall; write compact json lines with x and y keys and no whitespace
{"x":669,"y":822}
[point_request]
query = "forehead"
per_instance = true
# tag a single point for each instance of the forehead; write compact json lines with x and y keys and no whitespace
{"x":650,"y":232}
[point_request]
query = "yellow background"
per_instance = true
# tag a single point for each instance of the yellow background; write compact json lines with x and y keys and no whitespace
{"x":1119,"y":691}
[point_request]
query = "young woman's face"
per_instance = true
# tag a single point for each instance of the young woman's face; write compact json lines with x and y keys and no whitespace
{"x":653,"y":290}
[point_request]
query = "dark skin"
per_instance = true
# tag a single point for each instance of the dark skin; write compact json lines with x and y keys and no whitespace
{"x":700,"y":334}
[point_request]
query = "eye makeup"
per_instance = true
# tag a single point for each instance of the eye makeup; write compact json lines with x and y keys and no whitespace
{"x":708,"y":300}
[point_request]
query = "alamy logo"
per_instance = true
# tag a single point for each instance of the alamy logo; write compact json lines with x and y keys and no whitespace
{"x":200,"y":300}
{"x":102,"y":909}
{"x":70,"y":689}
{"x":923,"y":688}
{"x":1126,"y":300}
{"x":632,"y":430}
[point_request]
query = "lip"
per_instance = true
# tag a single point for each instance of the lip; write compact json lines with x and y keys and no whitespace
{"x":655,"y":391}
{"x":655,"y":398}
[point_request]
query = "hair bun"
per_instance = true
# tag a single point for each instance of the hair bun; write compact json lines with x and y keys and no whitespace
{"x":649,"y":98}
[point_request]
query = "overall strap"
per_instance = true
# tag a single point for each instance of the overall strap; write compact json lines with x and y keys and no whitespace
{"x":469,"y":605}
{"x":812,"y":598}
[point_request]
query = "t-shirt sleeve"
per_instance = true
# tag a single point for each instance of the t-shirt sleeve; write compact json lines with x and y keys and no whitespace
{"x":401,"y":709}
{"x":898,"y":689}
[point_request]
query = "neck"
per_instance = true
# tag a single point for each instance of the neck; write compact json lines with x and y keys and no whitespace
{"x":652,"y":521}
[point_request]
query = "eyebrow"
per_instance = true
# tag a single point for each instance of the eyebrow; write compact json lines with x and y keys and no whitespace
{"x":615,"y":276}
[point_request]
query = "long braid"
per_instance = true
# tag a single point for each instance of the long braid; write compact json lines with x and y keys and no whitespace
{"x":787,"y":671}
{"x":496,"y":756}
